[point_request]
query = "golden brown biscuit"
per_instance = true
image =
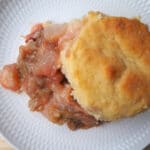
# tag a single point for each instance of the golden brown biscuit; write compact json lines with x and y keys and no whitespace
{"x":108,"y":66}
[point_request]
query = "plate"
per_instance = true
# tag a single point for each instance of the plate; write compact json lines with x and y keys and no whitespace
{"x":31,"y":131}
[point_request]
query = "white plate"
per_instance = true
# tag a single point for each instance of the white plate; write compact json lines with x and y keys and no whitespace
{"x":31,"y":131}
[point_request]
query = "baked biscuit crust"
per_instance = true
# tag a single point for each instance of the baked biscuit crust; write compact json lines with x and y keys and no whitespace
{"x":108,"y":66}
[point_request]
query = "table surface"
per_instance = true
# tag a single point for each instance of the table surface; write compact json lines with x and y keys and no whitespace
{"x":4,"y":145}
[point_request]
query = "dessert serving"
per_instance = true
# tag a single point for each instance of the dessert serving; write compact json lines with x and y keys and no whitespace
{"x":84,"y":72}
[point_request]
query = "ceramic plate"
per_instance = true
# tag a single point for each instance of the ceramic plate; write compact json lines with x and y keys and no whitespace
{"x":31,"y":131}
